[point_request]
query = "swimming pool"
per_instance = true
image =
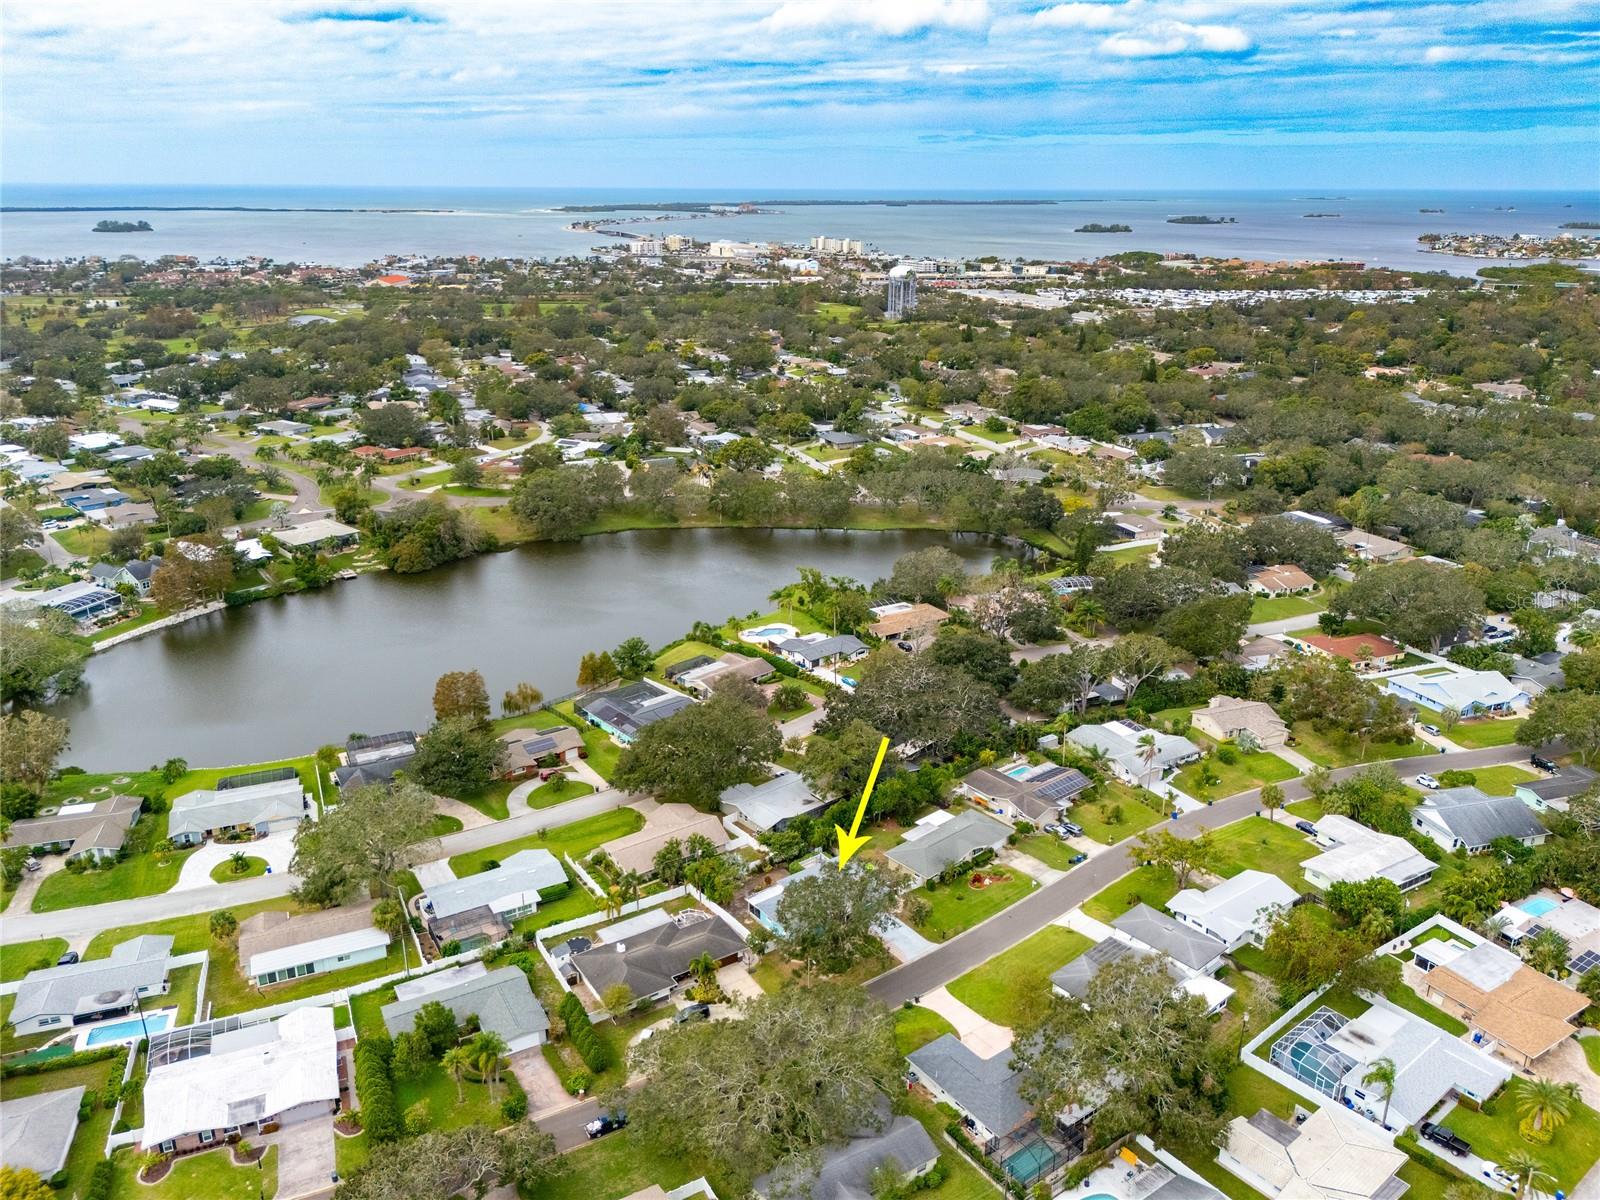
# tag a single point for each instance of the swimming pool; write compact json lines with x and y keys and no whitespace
{"x":1537,"y":906}
{"x":128,"y":1030}
{"x":1021,"y":769}
{"x":768,"y":633}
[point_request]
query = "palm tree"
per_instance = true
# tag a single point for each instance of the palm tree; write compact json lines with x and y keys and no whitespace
{"x":1148,"y":750}
{"x":239,"y":861}
{"x":1548,"y":952}
{"x":1381,"y":1074}
{"x":456,"y":1062}
{"x":488,"y":1049}
{"x":631,"y":882}
{"x":1086,"y":615}
{"x":1528,"y":1171}
{"x":1271,"y":799}
{"x":704,"y":969}
{"x":1545,"y":1106}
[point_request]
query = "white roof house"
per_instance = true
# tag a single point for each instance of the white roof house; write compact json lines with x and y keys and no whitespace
{"x":1357,"y":853}
{"x":1237,"y":910}
{"x":1445,"y":685}
{"x":36,"y":1132}
{"x":1332,"y":1155}
{"x":1129,"y":757}
{"x":252,"y":1074}
{"x":772,"y":804}
{"x":1430,"y":1065}
{"x":513,"y":886}
{"x":277,"y":804}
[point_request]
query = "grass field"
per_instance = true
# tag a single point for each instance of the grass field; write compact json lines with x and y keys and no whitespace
{"x":1150,"y":885}
{"x":1335,"y":749}
{"x":1278,"y":608}
{"x":1048,"y":849}
{"x":18,"y":959}
{"x":915,"y":1027}
{"x":1097,"y":816}
{"x":1493,"y":1134}
{"x":189,"y":933}
{"x":89,"y":1141}
{"x":224,"y":872}
{"x":576,"y":839}
{"x":1249,"y":771}
{"x":1259,"y":844}
{"x":1015,"y":985}
{"x":1480,"y":735}
{"x":211,"y":1175}
{"x":144,"y":874}
{"x":956,"y":907}
{"x":1501,"y":780}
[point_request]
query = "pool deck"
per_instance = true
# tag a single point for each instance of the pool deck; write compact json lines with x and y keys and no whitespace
{"x":151,"y":1019}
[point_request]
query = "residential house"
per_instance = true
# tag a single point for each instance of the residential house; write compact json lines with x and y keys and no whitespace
{"x":1364,"y":651}
{"x":987,"y":1095}
{"x":239,"y":805}
{"x":1197,"y":952}
{"x":529,"y":749}
{"x":239,"y":1077}
{"x":906,"y":621}
{"x":1522,"y":1013}
{"x":376,"y":759}
{"x":943,"y":839}
{"x":623,"y":712}
{"x":839,"y":439}
{"x":1560,"y":541}
{"x":95,"y":830}
{"x":1227,"y":718}
{"x":506,"y":893}
{"x":1356,"y":853}
{"x":1369,"y":547}
{"x":1553,"y":792}
{"x":774,"y":803}
{"x":1282,"y":580}
{"x":1136,"y":755}
{"x":55,"y":998}
{"x":135,"y":573}
{"x":763,"y":905}
{"x":652,"y":952}
{"x":502,"y":1001}
{"x":849,"y":1170}
{"x":275,"y":946}
{"x":1073,"y":980}
{"x":1331,"y":1155}
{"x":80,"y":600}
{"x":665,"y":823}
{"x":1470,"y":818}
{"x":1236,"y":911}
{"x":705,"y":678}
{"x":283,"y":428}
{"x":1022,"y":792}
{"x":36,"y":1131}
{"x":1070,"y":585}
{"x":1576,"y":920}
{"x":1259,"y":654}
{"x":813,"y":650}
{"x":1335,"y":1053}
{"x":321,"y":534}
{"x":1540,"y":674}
{"x":1446,"y":685}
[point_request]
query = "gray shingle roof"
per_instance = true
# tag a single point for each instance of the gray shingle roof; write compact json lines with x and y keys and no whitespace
{"x":137,"y":963}
{"x":845,"y":1170}
{"x":526,"y":871}
{"x":782,"y":798}
{"x":37,"y":1131}
{"x":633,"y":706}
{"x":1565,"y":784}
{"x":502,"y":1001}
{"x":652,"y":960}
{"x":202,"y":811}
{"x":1170,"y":937}
{"x":1075,"y":977}
{"x":1478,"y":818}
{"x":985,"y":1089}
{"x":961,"y":836}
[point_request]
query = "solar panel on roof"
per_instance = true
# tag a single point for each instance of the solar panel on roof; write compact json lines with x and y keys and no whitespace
{"x":1585,"y":962}
{"x":1057,"y":789}
{"x":538,"y":746}
{"x":1049,"y":773}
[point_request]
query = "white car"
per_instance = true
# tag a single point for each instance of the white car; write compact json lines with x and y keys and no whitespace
{"x":1427,"y":781}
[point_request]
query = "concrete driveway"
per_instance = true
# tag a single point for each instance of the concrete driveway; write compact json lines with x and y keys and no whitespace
{"x":904,"y":942}
{"x":735,"y":982}
{"x":431,"y":874}
{"x":981,"y":1035}
{"x":277,"y":849}
{"x":538,"y":1078}
{"x":305,"y":1157}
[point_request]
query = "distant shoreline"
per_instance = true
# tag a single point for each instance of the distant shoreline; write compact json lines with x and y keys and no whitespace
{"x":733,"y":205}
{"x":93,"y":208}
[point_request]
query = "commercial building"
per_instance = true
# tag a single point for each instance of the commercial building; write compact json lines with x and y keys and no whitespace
{"x":901,"y":297}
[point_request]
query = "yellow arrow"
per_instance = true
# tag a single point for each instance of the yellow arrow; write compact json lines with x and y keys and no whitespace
{"x":849,"y":843}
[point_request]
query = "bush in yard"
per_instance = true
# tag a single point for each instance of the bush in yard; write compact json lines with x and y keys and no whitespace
{"x":514,"y":1107}
{"x":579,"y":1082}
{"x":380,"y":1117}
{"x":437,"y":1025}
{"x":1227,"y":755}
{"x":417,"y":1119}
{"x":1457,"y":778}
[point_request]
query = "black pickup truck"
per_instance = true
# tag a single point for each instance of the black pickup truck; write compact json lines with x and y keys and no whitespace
{"x":1443,"y":1135}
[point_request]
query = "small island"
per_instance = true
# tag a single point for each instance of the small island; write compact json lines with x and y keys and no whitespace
{"x":1096,"y":227}
{"x":1580,"y":225}
{"x":1314,"y":216}
{"x":123,"y":227}
{"x":1430,"y":210}
{"x":1202,"y":220}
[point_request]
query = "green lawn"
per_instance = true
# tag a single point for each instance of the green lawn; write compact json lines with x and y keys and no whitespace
{"x":1249,"y":771}
{"x":224,"y":872}
{"x":437,"y":1090}
{"x":207,"y":777}
{"x":956,"y":907}
{"x":1151,"y":885}
{"x":617,"y":1166}
{"x":1502,"y":780}
{"x":211,"y":1174}
{"x":576,"y":839}
{"x":89,"y":1142}
{"x":1015,"y":985}
{"x":579,"y":901}
{"x":189,"y":933}
{"x":1480,"y":735}
{"x":549,"y":797}
{"x":1121,"y":558}
{"x":1336,"y":749}
{"x":1403,"y":997}
{"x":603,"y":753}
{"x":140,"y":874}
{"x":1276,"y":608}
{"x":491,"y":801}
{"x":18,"y":959}
{"x":1118,"y":814}
{"x":1591,"y":1051}
{"x":1493,"y":1134}
{"x":963,"y":1180}
{"x":1257,"y":843}
{"x":149,"y":614}
{"x":230,"y":992}
{"x":1048,"y":849}
{"x":915,"y":1027}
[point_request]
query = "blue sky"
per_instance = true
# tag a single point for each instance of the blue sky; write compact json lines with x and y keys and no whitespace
{"x":908,"y":94}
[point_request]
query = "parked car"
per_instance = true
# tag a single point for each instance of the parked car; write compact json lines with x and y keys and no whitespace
{"x":32,"y":864}
{"x":1306,"y":827}
{"x":1443,"y":1135}
{"x":67,"y":959}
{"x":1073,"y":830}
{"x":1543,"y":763}
{"x":1054,"y":828}
{"x":1432,"y":730}
{"x":1076,"y":859}
{"x":605,"y":1123}
{"x":906,"y":646}
{"x":1427,"y":781}
{"x":694,"y":1012}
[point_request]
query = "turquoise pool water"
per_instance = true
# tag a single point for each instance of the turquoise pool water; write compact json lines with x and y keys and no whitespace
{"x":124,"y":1031}
{"x":1537,"y":906}
{"x":1018,"y":771}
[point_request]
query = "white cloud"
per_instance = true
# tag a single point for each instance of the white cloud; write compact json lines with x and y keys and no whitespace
{"x":1081,"y":15}
{"x":894,"y":17}
{"x":1160,"y":39}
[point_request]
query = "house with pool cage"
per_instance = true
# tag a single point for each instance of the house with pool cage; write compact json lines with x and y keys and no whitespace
{"x":1334,"y":1053}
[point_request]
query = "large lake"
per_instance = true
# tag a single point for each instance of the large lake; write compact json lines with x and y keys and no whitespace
{"x":281,"y":677}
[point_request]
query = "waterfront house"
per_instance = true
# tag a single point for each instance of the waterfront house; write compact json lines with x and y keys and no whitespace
{"x":375,"y":760}
{"x":36,"y":1131}
{"x":275,"y":946}
{"x":623,"y":712}
{"x":906,"y":621}
{"x":240,"y":805}
{"x":705,"y":677}
{"x":1039,"y":794}
{"x":507,"y":893}
{"x":529,"y":749}
{"x":135,"y":573}
{"x":1227,"y":718}
{"x":95,"y":830}
{"x":321,"y":534}
{"x":1236,"y":911}
{"x":80,"y":600}
{"x":943,"y":839}
{"x":1468,"y":818}
{"x":239,"y":1076}
{"x":502,"y":1001}
{"x":55,"y":998}
{"x":1356,"y":853}
{"x":813,"y":650}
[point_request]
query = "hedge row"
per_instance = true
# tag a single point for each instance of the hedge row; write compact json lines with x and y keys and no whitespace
{"x":590,"y":1046}
{"x":81,"y":1059}
{"x":1007,"y":1184}
{"x":100,"y":1181}
{"x":380,"y":1115}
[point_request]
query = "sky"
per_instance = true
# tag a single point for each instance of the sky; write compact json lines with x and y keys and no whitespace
{"x":1007,"y":95}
